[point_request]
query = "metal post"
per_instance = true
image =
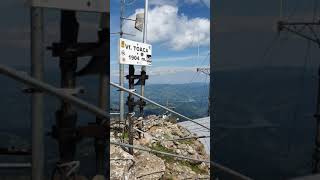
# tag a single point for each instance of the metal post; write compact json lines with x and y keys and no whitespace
{"x":66,"y":115}
{"x":100,"y":144}
{"x":121,"y":80}
{"x":143,"y":68}
{"x":131,"y":107}
{"x":37,"y":97}
{"x":316,"y":165}
{"x":145,"y":28}
{"x":281,"y":9}
{"x":121,"y":67}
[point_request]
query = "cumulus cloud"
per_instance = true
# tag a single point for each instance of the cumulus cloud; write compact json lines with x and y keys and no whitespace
{"x":206,"y":2}
{"x":175,"y":2}
{"x":167,"y":26}
{"x":163,"y":2}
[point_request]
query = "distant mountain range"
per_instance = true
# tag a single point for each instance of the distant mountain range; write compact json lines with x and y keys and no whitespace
{"x":188,"y":99}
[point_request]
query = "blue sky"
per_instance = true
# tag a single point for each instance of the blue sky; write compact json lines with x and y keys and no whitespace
{"x":175,"y":29}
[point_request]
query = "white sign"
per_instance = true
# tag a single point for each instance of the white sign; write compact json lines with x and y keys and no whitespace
{"x":134,"y":53}
{"x":78,"y":5}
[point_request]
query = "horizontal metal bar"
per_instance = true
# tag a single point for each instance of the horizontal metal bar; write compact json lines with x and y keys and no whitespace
{"x":49,"y":89}
{"x":114,"y":113}
{"x":128,"y":19}
{"x":183,"y":138}
{"x":159,"y":152}
{"x":15,"y":151}
{"x":216,"y":166}
{"x":299,"y":23}
{"x":301,"y":34}
{"x":154,"y":103}
{"x":15,"y":165}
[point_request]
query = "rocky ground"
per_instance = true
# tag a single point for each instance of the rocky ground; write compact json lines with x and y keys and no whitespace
{"x":159,"y":134}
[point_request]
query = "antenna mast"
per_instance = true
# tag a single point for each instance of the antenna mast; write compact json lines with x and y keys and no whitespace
{"x":37,"y":69}
{"x":307,"y":31}
{"x":121,"y":66}
{"x":206,"y":71}
{"x":143,"y":68}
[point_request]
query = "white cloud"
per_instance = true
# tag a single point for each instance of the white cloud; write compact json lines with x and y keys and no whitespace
{"x":163,"y":2}
{"x":175,"y":2}
{"x":207,"y":2}
{"x":167,"y":26}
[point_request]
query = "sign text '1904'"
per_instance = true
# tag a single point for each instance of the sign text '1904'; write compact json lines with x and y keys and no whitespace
{"x":134,"y":53}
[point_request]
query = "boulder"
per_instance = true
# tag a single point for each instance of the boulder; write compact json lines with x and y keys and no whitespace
{"x":120,"y":163}
{"x":148,"y":167}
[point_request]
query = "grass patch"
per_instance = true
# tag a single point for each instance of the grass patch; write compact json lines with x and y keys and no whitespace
{"x":172,"y":120}
{"x":166,"y":136}
{"x":187,"y":141}
{"x":158,"y":147}
{"x":125,"y":135}
{"x":167,"y":177}
{"x":175,"y":133}
{"x":169,"y":159}
{"x":194,"y":167}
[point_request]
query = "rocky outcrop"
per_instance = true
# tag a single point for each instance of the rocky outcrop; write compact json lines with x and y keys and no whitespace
{"x":120,"y":163}
{"x":148,"y":166}
{"x":161,"y":134}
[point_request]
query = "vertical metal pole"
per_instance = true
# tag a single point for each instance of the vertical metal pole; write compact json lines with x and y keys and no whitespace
{"x":143,"y":68}
{"x":212,"y":171}
{"x":37,"y":97}
{"x":130,"y":100}
{"x":131,"y":107}
{"x":121,"y":67}
{"x":316,"y":165}
{"x":145,"y":28}
{"x":280,"y":9}
{"x":100,"y":143}
{"x":66,"y":116}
